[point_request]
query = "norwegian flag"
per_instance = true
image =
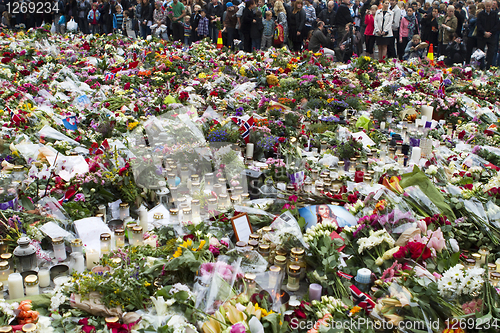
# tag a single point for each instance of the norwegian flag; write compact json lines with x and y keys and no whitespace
{"x":361,"y":299}
{"x":442,"y":87}
{"x":344,"y":275}
{"x":238,"y":121}
{"x":109,"y":76}
{"x":245,"y":129}
{"x":101,"y":149}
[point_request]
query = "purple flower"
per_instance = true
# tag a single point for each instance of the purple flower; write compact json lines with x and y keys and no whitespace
{"x":238,"y":328}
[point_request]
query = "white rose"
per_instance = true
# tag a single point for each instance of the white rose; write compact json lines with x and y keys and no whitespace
{"x":454,"y":245}
{"x":379,"y":261}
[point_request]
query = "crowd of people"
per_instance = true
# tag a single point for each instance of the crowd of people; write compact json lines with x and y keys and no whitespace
{"x":401,"y":30}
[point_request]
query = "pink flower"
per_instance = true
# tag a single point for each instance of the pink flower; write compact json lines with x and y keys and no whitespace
{"x":293,"y":198}
{"x":238,"y":328}
{"x":422,"y":226}
{"x":436,"y":240}
{"x":80,"y":197}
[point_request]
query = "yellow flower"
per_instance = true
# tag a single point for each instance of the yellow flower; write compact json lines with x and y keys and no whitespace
{"x":131,"y":126}
{"x":202,"y":244}
{"x":262,"y":310}
{"x":202,"y":75}
{"x":366,"y":58}
{"x":178,"y":253}
{"x":355,"y":310}
{"x":308,"y":114}
{"x":147,"y":284}
{"x":317,"y":54}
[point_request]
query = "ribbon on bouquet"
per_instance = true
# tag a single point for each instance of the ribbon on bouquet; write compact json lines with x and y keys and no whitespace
{"x":344,"y":275}
{"x":361,"y":299}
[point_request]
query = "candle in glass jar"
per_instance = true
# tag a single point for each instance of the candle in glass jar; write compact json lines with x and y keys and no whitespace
{"x":16,"y":287}
{"x":32,"y":288}
{"x":92,"y":258}
{"x":143,"y":217}
{"x":484,"y":252}
{"x":105,"y":243}
{"x":44,"y":277}
{"x":59,"y":248}
{"x":274,"y":273}
{"x":124,"y":211}
{"x":249,"y":152}
{"x":315,"y":291}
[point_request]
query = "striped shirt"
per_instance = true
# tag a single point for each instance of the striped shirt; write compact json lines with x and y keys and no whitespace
{"x":119,"y":20}
{"x":310,"y":15}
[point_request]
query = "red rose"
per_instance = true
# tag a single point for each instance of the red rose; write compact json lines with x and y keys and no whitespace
{"x":419,"y":250}
{"x":401,"y":253}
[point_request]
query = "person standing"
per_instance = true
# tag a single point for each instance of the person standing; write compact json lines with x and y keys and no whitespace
{"x":430,"y":27}
{"x":215,"y":11}
{"x":296,"y":24}
{"x":342,"y":19}
{"x":472,"y":33}
{"x":230,"y":24}
{"x":195,"y":20}
{"x":408,"y":28}
{"x":147,"y":18}
{"x":247,"y":18}
{"x":370,"y":26}
{"x":83,"y":9}
{"x":391,"y":50}
{"x":310,"y":17}
{"x":178,"y":13}
{"x":447,"y":29}
{"x":93,"y":18}
{"x":268,"y":33}
{"x":383,"y":28}
{"x":280,"y":12}
{"x":327,"y":15}
{"x":487,"y":29}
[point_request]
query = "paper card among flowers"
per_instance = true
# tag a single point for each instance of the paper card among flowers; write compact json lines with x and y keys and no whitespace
{"x":327,"y":214}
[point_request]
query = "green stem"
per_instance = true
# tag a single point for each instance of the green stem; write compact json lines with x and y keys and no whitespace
{"x":206,"y":314}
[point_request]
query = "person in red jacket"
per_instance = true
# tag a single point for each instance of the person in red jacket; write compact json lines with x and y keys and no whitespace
{"x":370,"y":26}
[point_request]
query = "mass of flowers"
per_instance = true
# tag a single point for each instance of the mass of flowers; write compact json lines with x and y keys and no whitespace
{"x":233,"y":186}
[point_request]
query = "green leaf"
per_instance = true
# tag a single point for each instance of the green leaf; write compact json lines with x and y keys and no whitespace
{"x":26,"y":203}
{"x":302,"y":222}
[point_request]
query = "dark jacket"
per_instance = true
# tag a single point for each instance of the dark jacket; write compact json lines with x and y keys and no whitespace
{"x":230,"y":19}
{"x":327,"y":17}
{"x":430,"y":30}
{"x":71,"y":9}
{"x":454,"y":53}
{"x":246,"y":21}
{"x":487,"y":23}
{"x":256,"y":29}
{"x":147,"y":12}
{"x":343,"y":16}
{"x":217,"y":11}
{"x":317,"y":40}
{"x":296,"y":22}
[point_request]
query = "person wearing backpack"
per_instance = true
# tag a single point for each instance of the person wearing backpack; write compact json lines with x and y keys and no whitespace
{"x":282,"y":24}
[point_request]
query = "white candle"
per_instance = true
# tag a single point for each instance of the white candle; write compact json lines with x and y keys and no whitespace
{"x":250,"y":147}
{"x":92,"y":258}
{"x":16,"y":286}
{"x":424,"y":120}
{"x":426,"y":111}
{"x":143,"y":218}
{"x":415,"y":154}
{"x":150,"y":241}
{"x":382,"y":125}
{"x":44,"y":278}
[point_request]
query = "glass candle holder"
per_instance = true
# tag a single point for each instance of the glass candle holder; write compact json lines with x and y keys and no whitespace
{"x":59,"y":248}
{"x":212,"y":204}
{"x":138,"y":238}
{"x":341,"y":169}
{"x":254,"y":244}
{"x":105,"y":243}
{"x":187,"y":215}
{"x":308,"y":187}
{"x":401,"y":159}
{"x":238,"y":190}
{"x":209,"y":180}
{"x":223,"y":201}
{"x":124,"y":211}
{"x":184,"y":173}
{"x":274,"y":273}
{"x":367,"y":180}
{"x":195,"y":209}
{"x":364,"y":165}
{"x":477,"y":258}
{"x":297,"y":258}
{"x":251,"y":285}
{"x":174,"y":215}
{"x":4,"y":273}
{"x":323,"y":146}
{"x":77,"y":245}
{"x":352,"y":165}
{"x":119,"y":238}
{"x":31,"y":285}
{"x":195,"y":187}
{"x":25,"y":255}
{"x":235,"y":200}
{"x":280,"y":261}
{"x":484,"y":252}
{"x":314,"y":175}
{"x":217,"y":189}
{"x":29,"y":328}
{"x":44,"y":278}
{"x":494,"y":279}
{"x":245,"y":199}
{"x":171,"y":179}
{"x":223,"y":183}
{"x":293,"y":277}
{"x":264,"y":251}
{"x":392,"y":153}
